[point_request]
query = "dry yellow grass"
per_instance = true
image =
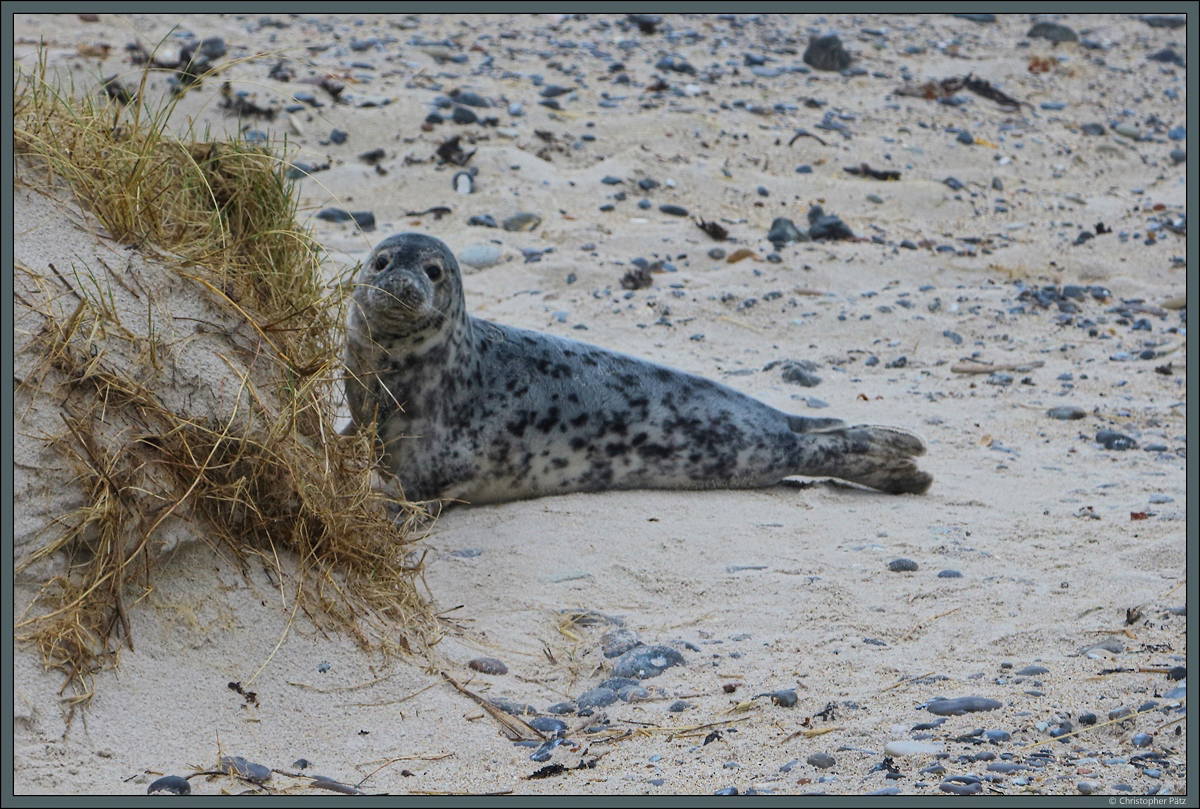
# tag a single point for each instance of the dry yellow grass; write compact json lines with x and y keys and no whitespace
{"x":268,"y":475}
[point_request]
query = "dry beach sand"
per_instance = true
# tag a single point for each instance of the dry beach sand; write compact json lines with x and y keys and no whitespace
{"x":1060,"y":543}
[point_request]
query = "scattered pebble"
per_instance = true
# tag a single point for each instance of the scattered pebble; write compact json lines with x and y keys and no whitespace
{"x":1052,"y":31}
{"x":785,"y":697}
{"x":961,"y":705}
{"x":617,"y":642}
{"x":488,"y":665}
{"x":902,"y":565}
{"x":548,"y":725}
{"x":784,"y":230}
{"x":236,"y":765}
{"x":1113,"y":440}
{"x":826,"y":53}
{"x":479,"y":255}
{"x":961,"y":789}
{"x":1066,"y":413}
{"x":822,"y":761}
{"x":644,"y":662}
{"x":169,"y":785}
{"x":521,"y":222}
{"x":596,"y":698}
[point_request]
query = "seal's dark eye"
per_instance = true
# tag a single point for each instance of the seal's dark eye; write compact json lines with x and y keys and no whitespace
{"x":433,"y":271}
{"x":381,"y":263}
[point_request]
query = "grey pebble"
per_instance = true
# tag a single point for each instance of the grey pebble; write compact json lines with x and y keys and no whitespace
{"x":784,"y":697}
{"x":169,"y":785}
{"x":617,"y":642}
{"x":679,"y":706}
{"x":479,"y":255}
{"x":673,"y":210}
{"x":716,"y":253}
{"x":822,"y":761}
{"x":826,"y":53}
{"x":1004,"y":767}
{"x":547,"y":724}
{"x":902,"y":565}
{"x":827,"y":226}
{"x":1161,"y":498}
{"x":784,"y":230}
{"x":1065,"y":413}
{"x":1142,"y":740}
{"x":236,"y":765}
{"x":953,"y":183}
{"x":1115,"y":441}
{"x":964,"y":137}
{"x":949,"y":574}
{"x":463,"y":183}
{"x":463,"y":115}
{"x":961,"y":789}
{"x":545,"y":750}
{"x":961,"y":705}
{"x":596,"y":698}
{"x":646,"y":661}
{"x":797,"y":372}
{"x":633,"y":693}
{"x":1030,"y":671}
{"x":488,"y":665}
{"x":1052,"y":31}
{"x":482,"y":220}
{"x":1167,"y":55}
{"x":562,"y":708}
{"x":521,"y":221}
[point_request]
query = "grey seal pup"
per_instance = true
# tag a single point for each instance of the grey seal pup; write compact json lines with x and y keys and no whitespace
{"x":476,"y":411}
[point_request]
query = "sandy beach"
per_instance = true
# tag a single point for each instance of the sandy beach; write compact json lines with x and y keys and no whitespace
{"x":1007,"y":278}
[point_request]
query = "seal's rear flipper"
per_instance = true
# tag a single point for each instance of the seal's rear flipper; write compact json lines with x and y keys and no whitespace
{"x":871,"y":455}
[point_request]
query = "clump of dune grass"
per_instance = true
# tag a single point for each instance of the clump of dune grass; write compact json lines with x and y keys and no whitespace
{"x":264,"y":476}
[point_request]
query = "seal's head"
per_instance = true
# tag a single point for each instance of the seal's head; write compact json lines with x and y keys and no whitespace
{"x":409,"y":288}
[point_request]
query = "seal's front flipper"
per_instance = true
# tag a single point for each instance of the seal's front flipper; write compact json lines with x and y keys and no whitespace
{"x":871,"y":455}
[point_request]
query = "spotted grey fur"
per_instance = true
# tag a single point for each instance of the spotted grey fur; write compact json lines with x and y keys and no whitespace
{"x":481,"y":412}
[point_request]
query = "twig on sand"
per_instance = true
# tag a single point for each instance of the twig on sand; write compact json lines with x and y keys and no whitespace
{"x":906,"y":680}
{"x":514,"y":728}
{"x":976,"y":367}
{"x":920,"y":624}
